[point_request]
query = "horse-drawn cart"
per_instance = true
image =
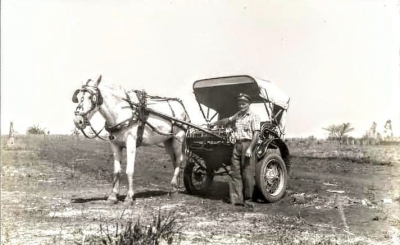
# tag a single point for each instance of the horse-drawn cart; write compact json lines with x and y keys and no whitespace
{"x":209,"y":150}
{"x":154,"y":120}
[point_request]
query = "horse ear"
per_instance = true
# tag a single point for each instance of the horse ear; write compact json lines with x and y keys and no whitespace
{"x":98,"y":81}
{"x":75,"y":96}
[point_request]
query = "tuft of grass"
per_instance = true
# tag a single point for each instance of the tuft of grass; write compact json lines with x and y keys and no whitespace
{"x":135,"y":233}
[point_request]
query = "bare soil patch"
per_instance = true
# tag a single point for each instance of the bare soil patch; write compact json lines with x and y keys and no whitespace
{"x":54,"y":190}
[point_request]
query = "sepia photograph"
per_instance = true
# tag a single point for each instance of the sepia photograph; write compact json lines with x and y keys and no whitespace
{"x":200,"y":122}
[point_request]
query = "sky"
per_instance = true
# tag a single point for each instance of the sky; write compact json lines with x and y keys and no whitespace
{"x":337,"y":60}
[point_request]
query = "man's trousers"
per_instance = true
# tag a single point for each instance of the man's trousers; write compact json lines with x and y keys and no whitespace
{"x":241,"y":174}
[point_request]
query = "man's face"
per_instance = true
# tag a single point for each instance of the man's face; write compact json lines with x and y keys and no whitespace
{"x":243,"y":105}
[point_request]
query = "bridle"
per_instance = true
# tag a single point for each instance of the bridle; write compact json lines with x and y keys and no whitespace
{"x":95,"y":97}
{"x":96,"y":101}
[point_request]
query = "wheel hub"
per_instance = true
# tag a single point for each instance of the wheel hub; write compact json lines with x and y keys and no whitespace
{"x":272,"y":175}
{"x":198,"y":175}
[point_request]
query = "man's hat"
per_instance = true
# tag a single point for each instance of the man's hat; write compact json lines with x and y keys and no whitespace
{"x":245,"y":97}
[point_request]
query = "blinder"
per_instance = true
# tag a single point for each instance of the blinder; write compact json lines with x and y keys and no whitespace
{"x":75,"y":96}
{"x":96,"y":98}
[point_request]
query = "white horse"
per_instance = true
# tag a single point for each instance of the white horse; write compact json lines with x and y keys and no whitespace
{"x":130,"y":125}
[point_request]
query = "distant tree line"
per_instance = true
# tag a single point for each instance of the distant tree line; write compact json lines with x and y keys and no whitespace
{"x":339,"y":132}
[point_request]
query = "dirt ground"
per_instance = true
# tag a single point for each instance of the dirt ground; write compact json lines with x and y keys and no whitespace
{"x":54,"y":190}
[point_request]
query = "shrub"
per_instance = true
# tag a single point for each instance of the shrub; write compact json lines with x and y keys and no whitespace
{"x":137,"y":233}
{"x":338,"y":132}
{"x":36,"y":129}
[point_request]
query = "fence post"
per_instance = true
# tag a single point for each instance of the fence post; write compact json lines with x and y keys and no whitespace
{"x":10,"y":140}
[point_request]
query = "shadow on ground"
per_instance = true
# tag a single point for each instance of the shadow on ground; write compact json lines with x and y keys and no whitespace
{"x":143,"y":194}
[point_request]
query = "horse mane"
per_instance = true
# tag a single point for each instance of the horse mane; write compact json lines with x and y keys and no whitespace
{"x":116,"y":89}
{"x":112,"y":86}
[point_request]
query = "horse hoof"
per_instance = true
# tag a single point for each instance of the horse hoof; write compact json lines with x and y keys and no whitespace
{"x":112,"y":200}
{"x":128,"y":201}
{"x":173,"y":194}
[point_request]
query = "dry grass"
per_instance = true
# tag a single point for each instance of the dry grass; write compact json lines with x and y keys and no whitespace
{"x":369,"y":154}
{"x":54,"y":191}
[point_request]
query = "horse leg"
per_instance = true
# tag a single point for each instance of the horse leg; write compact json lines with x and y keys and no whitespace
{"x":130,"y":167}
{"x":169,"y":149}
{"x":175,"y":150}
{"x":117,"y":151}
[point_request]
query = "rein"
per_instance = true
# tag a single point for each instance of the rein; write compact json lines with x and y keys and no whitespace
{"x":96,"y":134}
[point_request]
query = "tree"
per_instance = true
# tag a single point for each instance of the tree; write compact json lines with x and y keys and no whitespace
{"x":36,"y":129}
{"x":338,"y":132}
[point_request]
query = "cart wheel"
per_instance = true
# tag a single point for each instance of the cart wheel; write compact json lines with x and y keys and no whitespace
{"x":271,"y":177}
{"x":197,"y":179}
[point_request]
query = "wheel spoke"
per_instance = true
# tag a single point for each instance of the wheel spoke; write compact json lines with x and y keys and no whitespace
{"x":274,"y":186}
{"x":200,"y":164}
{"x":272,"y":177}
{"x":199,"y":173}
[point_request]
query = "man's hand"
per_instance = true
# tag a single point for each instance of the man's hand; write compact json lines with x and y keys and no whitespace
{"x":248,"y":152}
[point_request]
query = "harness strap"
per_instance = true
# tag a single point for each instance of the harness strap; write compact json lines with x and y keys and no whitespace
{"x":173,"y":115}
{"x":119,"y":126}
{"x":140,"y":131}
{"x":158,"y":131}
{"x":143,"y":116}
{"x":125,"y":123}
{"x":142,"y":113}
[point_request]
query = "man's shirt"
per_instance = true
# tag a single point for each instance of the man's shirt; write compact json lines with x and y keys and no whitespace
{"x":245,"y":125}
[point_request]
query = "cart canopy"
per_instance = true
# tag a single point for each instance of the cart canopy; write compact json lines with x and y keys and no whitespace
{"x":221,"y":93}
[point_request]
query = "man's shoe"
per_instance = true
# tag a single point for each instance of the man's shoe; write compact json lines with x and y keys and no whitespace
{"x":248,"y":204}
{"x":227,"y":200}
{"x":257,"y":200}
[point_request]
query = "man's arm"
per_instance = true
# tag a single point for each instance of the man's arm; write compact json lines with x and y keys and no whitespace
{"x":255,"y":126}
{"x":254,"y":140}
{"x":224,"y":121}
{"x":220,"y":122}
{"x":253,"y":143}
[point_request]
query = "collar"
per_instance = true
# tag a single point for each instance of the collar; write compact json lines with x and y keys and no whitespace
{"x":244,"y":114}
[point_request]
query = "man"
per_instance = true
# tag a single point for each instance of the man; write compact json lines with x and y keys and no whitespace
{"x":246,"y":129}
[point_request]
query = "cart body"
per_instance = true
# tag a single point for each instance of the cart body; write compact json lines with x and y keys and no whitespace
{"x":210,"y":154}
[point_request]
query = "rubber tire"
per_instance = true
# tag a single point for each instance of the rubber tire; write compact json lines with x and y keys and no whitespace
{"x":188,"y":181}
{"x":260,"y":181}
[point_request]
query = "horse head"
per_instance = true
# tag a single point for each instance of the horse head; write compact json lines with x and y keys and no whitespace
{"x":89,"y":100}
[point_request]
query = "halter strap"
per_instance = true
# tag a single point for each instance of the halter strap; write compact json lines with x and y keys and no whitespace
{"x":93,"y":91}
